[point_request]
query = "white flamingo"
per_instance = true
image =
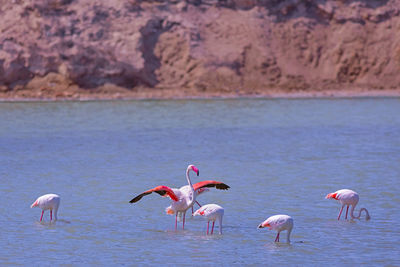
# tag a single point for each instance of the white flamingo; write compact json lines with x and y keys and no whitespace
{"x":198,"y":192}
{"x":48,"y":202}
{"x":348,"y":197}
{"x":279,"y":223}
{"x":184,"y":197}
{"x":211,"y":212}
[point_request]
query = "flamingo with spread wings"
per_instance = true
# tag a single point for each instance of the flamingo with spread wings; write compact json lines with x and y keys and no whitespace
{"x":184,"y":197}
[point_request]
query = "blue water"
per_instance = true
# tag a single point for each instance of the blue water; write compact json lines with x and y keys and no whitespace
{"x":279,"y":157}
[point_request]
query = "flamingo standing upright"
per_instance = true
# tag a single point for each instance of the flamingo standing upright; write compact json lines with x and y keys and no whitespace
{"x":211,"y":212}
{"x":279,"y":223}
{"x":184,"y":197}
{"x":348,"y":197}
{"x":48,"y":202}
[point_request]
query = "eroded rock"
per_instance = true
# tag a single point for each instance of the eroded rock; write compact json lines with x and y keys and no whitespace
{"x":235,"y":46}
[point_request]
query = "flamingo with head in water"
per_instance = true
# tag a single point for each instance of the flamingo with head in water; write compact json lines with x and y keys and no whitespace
{"x":48,"y":202}
{"x":184,"y":197}
{"x":279,"y":223}
{"x":348,"y":197}
{"x":211,"y":212}
{"x":198,"y":192}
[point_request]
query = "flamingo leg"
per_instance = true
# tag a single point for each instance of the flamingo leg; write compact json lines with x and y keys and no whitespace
{"x":192,"y":211}
{"x":183,"y":225}
{"x":347,"y":210}
{"x":212,"y":229}
{"x":340,"y":213}
{"x":277,"y":237}
{"x":51,"y":215}
{"x":208,"y":224}
{"x":176,"y":220}
{"x":41,"y":217}
{"x":197,"y":204}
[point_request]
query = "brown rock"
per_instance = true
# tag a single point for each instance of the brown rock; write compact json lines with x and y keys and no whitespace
{"x":81,"y":48}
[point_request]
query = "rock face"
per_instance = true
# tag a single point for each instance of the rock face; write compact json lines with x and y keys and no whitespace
{"x":66,"y":48}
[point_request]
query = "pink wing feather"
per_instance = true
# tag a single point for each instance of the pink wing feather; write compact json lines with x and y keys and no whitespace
{"x":161,"y":190}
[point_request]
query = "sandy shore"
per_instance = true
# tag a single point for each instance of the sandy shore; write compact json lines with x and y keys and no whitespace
{"x":26,"y":96}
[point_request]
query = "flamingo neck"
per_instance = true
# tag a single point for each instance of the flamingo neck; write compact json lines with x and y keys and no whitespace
{"x":288,"y":235}
{"x":367,"y":217}
{"x":55,"y":210}
{"x":220,"y":225}
{"x":55,"y":215}
{"x":188,"y":178}
{"x":193,"y":199}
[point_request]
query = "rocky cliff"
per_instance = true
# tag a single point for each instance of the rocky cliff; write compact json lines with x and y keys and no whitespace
{"x":117,"y":48}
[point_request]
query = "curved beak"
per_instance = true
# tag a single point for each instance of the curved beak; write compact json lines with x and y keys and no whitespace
{"x":34,"y":204}
{"x":195,"y":170}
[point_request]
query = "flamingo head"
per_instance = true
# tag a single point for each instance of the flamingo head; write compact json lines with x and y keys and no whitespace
{"x":331,"y":195}
{"x":193,"y":168}
{"x":35,"y":204}
{"x":264,"y":224}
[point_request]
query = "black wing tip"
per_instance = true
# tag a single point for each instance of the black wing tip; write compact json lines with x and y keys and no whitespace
{"x":222,"y":186}
{"x":134,"y":200}
{"x":137,"y":198}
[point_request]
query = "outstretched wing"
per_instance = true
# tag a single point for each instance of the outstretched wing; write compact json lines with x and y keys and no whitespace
{"x":162,"y":190}
{"x":211,"y":183}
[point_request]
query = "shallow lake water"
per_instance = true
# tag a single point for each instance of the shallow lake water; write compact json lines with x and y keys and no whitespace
{"x":279,"y":156}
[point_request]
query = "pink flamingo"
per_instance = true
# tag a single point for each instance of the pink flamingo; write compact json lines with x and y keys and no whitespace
{"x":279,"y":223}
{"x":48,"y":202}
{"x":211,"y":212}
{"x":184,"y":197}
{"x":348,"y":197}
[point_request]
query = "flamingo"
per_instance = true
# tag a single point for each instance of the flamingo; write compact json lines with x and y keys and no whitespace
{"x":198,"y":192}
{"x":348,"y":197}
{"x":184,"y":197}
{"x":48,"y":202}
{"x":211,"y":212}
{"x":279,"y":223}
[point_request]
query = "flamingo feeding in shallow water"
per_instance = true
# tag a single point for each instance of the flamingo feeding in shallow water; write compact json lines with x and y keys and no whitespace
{"x":348,"y":197}
{"x":279,"y":223}
{"x":211,"y":212}
{"x":198,"y":192}
{"x":48,"y":202}
{"x":184,"y":197}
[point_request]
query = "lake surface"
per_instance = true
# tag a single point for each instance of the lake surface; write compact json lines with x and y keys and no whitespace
{"x":279,"y":156}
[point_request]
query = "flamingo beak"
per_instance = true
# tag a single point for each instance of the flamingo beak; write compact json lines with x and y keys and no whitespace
{"x":34,"y":204}
{"x":196,"y":170}
{"x":265,"y":225}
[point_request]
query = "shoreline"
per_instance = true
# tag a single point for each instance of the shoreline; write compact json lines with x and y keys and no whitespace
{"x":182,"y":95}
